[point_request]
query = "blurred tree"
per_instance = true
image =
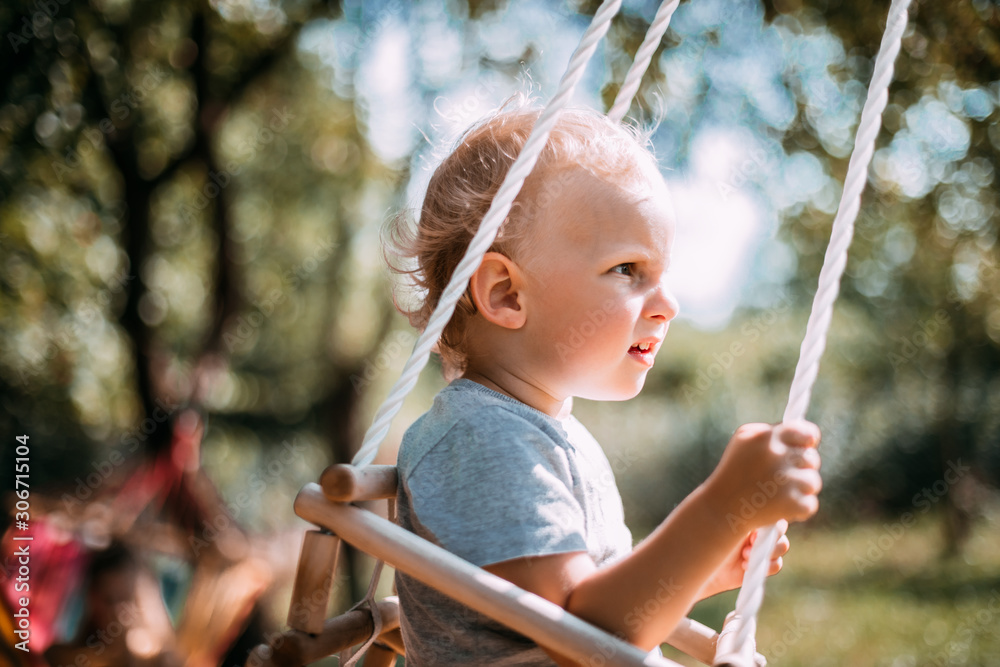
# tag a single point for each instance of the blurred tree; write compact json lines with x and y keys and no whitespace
{"x":182,"y":199}
{"x":136,"y":141}
{"x":908,"y":386}
{"x":191,"y":193}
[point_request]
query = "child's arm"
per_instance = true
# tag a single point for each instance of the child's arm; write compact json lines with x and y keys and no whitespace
{"x":643,"y":596}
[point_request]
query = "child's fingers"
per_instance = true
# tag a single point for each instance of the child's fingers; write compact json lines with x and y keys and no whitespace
{"x":773,"y":567}
{"x":806,"y":505}
{"x":806,"y":481}
{"x":803,"y":457}
{"x":802,"y":488}
{"x":798,"y":433}
{"x":781,"y":548}
{"x":752,"y":431}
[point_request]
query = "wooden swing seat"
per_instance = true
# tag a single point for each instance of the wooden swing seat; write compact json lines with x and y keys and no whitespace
{"x":312,"y":636}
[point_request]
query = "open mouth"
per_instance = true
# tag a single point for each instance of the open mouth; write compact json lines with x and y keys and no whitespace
{"x":643,"y":352}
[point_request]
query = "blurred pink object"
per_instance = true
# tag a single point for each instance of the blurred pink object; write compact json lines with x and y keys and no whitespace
{"x":56,"y":561}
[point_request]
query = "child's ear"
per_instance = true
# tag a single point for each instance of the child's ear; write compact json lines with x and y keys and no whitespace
{"x":496,"y":290}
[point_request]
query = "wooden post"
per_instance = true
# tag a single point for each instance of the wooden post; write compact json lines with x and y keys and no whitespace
{"x":344,"y":483}
{"x":313,"y":582}
{"x":294,"y":648}
{"x":393,"y":639}
{"x":728,"y":654}
{"x":694,"y":639}
{"x":378,"y":656}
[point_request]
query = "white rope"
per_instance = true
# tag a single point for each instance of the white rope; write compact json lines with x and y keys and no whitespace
{"x":485,"y":235}
{"x":750,"y":597}
{"x":752,"y":593}
{"x":642,"y":59}
{"x":480,"y":243}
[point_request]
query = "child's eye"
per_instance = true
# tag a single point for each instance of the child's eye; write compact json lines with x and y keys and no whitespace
{"x":626,"y":269}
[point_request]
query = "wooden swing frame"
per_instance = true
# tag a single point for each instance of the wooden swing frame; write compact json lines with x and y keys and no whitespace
{"x":330,"y":506}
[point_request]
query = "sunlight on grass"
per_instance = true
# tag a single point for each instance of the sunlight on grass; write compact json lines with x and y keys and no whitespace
{"x":877,"y":594}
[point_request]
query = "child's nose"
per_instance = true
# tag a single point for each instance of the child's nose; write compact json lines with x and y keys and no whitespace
{"x":662,"y":304}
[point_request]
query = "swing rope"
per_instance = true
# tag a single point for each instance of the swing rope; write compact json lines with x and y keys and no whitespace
{"x":480,"y":243}
{"x":737,"y":638}
{"x":485,"y":235}
{"x":814,"y":343}
{"x":347,"y":659}
{"x":623,"y":100}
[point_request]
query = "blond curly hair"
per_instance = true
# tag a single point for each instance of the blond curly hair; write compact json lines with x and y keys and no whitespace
{"x":462,"y":188}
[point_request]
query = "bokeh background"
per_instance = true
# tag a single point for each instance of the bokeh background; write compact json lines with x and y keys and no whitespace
{"x":195,"y":317}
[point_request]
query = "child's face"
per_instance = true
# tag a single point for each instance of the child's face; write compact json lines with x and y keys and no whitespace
{"x":595,"y":272}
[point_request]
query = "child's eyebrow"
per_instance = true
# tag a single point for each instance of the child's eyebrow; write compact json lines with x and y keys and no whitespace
{"x":633,"y":252}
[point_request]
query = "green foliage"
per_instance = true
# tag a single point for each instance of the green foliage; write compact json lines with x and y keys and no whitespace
{"x":192,"y":194}
{"x":190,"y":201}
{"x":910,"y":607}
{"x":182,"y":202}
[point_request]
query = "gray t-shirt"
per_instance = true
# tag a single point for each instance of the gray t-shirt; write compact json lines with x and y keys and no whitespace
{"x":490,"y":479}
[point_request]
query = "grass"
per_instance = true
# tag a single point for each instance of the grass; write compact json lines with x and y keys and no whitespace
{"x":878,"y":595}
{"x":875,"y":595}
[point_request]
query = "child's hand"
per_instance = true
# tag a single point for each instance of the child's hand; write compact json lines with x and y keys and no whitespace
{"x":730,"y":573}
{"x":767,"y":473}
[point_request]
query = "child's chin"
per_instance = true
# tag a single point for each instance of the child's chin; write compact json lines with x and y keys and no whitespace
{"x":616,"y":391}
